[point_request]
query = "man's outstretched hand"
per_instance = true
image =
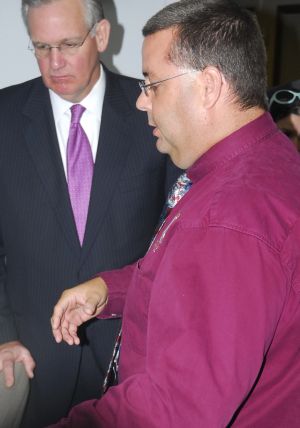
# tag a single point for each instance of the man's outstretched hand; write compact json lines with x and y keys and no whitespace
{"x":76,"y":306}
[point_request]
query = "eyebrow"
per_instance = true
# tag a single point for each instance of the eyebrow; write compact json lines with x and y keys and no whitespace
{"x":66,"y":39}
{"x":146,"y":75}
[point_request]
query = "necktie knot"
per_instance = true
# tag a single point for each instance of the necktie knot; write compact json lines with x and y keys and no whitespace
{"x":181,"y":186}
{"x":76,"y":111}
{"x":179,"y":189}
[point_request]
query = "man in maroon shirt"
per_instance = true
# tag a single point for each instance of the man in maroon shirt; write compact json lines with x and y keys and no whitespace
{"x":211,"y":314}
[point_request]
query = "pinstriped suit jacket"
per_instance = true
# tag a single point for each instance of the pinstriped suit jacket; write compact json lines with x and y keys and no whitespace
{"x":40,"y":254}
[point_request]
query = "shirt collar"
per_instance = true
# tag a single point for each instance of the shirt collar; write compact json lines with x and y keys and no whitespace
{"x":92,"y":102}
{"x":233,"y":145}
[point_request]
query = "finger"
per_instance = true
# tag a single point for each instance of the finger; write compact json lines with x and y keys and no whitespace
{"x":58,"y":320}
{"x":57,"y":316}
{"x":92,"y":306}
{"x":73,"y":332}
{"x":89,"y":309}
{"x":70,"y":334}
{"x":8,"y":372}
{"x":67,"y":337}
{"x":57,"y":335}
{"x":29,"y":364}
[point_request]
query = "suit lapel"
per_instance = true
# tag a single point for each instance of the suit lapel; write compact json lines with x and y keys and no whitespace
{"x":113,"y":147}
{"x":42,"y":144}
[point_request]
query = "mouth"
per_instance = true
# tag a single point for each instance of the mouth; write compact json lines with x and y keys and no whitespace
{"x":155,"y":132}
{"x":60,"y":78}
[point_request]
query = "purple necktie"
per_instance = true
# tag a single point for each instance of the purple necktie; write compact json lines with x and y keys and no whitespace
{"x":80,"y":167}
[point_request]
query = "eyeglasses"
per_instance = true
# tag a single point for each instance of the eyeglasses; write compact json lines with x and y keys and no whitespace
{"x":68,"y":47}
{"x":146,"y":87}
{"x":284,"y":96}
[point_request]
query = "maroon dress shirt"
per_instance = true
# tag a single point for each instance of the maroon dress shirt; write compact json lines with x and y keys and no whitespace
{"x":211,"y":314}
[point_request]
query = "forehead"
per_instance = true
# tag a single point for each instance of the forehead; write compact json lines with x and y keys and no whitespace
{"x":155,"y":52}
{"x":57,"y":19}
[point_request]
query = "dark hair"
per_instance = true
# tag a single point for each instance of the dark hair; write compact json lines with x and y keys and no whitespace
{"x":93,"y":10}
{"x":217,"y":33}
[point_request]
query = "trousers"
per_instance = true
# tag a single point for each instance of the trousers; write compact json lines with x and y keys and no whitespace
{"x":13,"y":400}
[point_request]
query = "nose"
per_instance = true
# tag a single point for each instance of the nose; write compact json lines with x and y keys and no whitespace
{"x":56,"y":58}
{"x":143,"y":102}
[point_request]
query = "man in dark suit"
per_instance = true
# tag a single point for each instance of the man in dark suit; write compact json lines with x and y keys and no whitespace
{"x":40,"y":250}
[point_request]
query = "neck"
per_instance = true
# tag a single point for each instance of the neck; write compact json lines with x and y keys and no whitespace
{"x":231,"y":121}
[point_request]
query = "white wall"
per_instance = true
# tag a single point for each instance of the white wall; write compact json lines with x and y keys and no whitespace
{"x":17,"y":62}
{"x":127,"y":16}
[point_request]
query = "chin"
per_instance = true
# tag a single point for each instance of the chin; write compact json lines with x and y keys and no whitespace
{"x":64,"y":92}
{"x":161,"y":146}
{"x":62,"y":87}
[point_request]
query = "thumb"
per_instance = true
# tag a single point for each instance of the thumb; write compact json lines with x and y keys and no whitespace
{"x":90,"y":307}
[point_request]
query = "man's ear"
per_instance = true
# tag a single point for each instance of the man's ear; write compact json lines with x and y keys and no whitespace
{"x":212,"y":81}
{"x":102,"y":34}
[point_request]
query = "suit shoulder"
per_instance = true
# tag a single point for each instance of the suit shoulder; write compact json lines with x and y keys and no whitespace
{"x":122,"y":78}
{"x":129,"y":86}
{"x":18,"y":93}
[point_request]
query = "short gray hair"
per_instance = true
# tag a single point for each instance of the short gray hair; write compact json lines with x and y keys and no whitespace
{"x":93,"y":10}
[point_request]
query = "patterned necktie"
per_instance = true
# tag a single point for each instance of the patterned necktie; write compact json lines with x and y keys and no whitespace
{"x":181,"y":186}
{"x":80,"y":168}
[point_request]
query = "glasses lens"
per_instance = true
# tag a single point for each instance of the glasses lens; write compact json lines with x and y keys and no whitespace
{"x":41,"y":53}
{"x":284,"y":97}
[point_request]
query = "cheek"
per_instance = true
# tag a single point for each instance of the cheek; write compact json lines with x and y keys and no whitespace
{"x":78,"y":68}
{"x":84,"y":66}
{"x":43,"y":66}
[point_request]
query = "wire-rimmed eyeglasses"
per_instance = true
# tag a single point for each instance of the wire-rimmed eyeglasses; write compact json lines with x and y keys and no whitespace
{"x":67,"y":47}
{"x":146,"y":87}
{"x":284,"y":96}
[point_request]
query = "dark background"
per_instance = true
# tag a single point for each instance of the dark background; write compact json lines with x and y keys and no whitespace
{"x":280,"y":24}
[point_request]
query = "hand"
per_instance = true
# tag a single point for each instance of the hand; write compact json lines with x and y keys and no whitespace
{"x":10,"y":353}
{"x":75,"y":306}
